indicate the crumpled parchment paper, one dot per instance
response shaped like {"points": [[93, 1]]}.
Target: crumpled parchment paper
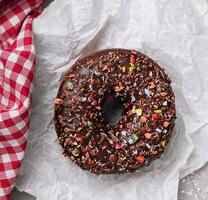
{"points": [[174, 33]]}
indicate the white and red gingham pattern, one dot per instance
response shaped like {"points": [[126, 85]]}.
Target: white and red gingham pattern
{"points": [[17, 58]]}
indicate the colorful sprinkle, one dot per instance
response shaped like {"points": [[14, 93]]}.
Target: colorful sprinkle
{"points": [[123, 133], [135, 152], [74, 143], [124, 143], [97, 73], [165, 131], [117, 146], [93, 152], [166, 124], [69, 85], [155, 116], [134, 137], [79, 138], [133, 99], [165, 103], [153, 151], [130, 141], [158, 130], [134, 121], [143, 119], [132, 67], [94, 103], [147, 92], [148, 135], [123, 69], [132, 59], [140, 159], [84, 99], [75, 152], [58, 101], [91, 115], [89, 124], [68, 141], [163, 94], [133, 109], [118, 88], [159, 89], [152, 85], [105, 68], [111, 141], [79, 129], [86, 154], [98, 107], [138, 111], [130, 112], [110, 97], [163, 143], [90, 86], [147, 145], [67, 130], [158, 111]]}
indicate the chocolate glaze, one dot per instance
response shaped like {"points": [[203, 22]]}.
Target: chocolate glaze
{"points": [[133, 84]]}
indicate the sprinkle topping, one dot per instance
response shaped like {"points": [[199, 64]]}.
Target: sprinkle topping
{"points": [[69, 85], [138, 111], [118, 88], [134, 137], [140, 159], [158, 111], [118, 146], [143, 119], [123, 69], [89, 124], [163, 94], [166, 124], [147, 92], [129, 85]]}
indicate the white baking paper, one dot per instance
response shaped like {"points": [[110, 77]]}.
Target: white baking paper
{"points": [[174, 33]]}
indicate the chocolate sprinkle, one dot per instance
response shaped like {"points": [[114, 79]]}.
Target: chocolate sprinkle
{"points": [[114, 111]]}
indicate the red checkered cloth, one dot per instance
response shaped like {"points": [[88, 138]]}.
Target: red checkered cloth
{"points": [[17, 58]]}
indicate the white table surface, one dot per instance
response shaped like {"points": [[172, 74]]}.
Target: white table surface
{"points": [[192, 187]]}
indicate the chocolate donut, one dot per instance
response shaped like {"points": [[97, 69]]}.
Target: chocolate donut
{"points": [[114, 111]]}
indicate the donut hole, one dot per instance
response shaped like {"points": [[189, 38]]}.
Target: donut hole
{"points": [[112, 108]]}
